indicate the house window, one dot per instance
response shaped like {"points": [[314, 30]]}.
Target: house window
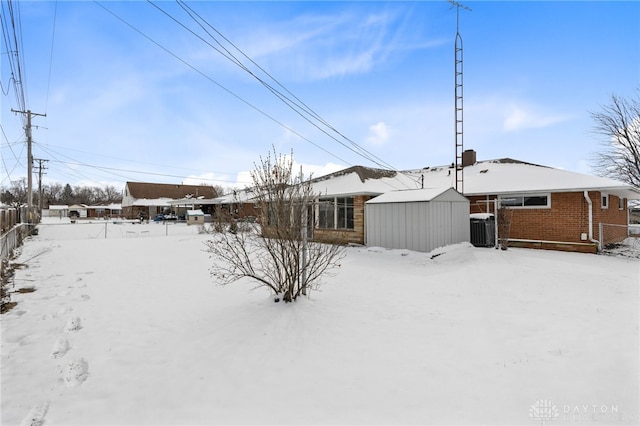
{"points": [[528, 201], [345, 212], [326, 216], [335, 213], [620, 203], [605, 201]]}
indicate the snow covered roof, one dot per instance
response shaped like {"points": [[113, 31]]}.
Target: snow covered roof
{"points": [[154, 191], [196, 212], [112, 206], [243, 196], [193, 201], [150, 202], [509, 176], [418, 195], [495, 177], [359, 180]]}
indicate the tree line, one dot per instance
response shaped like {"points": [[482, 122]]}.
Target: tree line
{"points": [[16, 193]]}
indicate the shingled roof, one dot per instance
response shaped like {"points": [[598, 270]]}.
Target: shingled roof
{"points": [[165, 190]]}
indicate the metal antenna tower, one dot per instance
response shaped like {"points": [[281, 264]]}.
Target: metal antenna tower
{"points": [[459, 128]]}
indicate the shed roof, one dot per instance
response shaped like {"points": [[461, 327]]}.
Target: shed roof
{"points": [[419, 195]]}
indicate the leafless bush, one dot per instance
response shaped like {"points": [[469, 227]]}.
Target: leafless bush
{"points": [[273, 251]]}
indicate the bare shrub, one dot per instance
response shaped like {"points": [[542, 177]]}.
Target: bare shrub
{"points": [[273, 251]]}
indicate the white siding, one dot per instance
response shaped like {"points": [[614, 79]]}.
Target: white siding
{"points": [[421, 226]]}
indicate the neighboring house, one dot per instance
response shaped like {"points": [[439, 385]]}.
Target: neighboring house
{"points": [[58, 211], [151, 199], [78, 211], [239, 204], [104, 211], [84, 211]]}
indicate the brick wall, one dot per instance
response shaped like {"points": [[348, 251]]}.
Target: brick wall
{"points": [[345, 236], [565, 221]]}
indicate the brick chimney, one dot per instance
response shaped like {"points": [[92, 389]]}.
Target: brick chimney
{"points": [[468, 157]]}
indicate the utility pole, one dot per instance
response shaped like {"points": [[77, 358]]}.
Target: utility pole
{"points": [[41, 168], [27, 131]]}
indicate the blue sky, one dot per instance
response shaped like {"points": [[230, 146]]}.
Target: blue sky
{"points": [[121, 108]]}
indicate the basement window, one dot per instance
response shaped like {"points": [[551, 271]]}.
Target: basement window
{"points": [[526, 201]]}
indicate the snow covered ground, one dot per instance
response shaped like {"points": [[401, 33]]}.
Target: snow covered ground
{"points": [[131, 330]]}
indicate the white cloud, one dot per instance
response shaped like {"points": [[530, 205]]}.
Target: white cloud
{"points": [[378, 133], [519, 117], [335, 44]]}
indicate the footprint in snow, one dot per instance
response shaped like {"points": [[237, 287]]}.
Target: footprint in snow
{"points": [[73, 324], [76, 373], [64, 311], [36, 415], [60, 348]]}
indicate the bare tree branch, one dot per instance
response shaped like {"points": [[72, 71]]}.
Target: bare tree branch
{"points": [[619, 124], [273, 251]]}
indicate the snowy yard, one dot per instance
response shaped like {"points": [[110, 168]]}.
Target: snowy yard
{"points": [[131, 330]]}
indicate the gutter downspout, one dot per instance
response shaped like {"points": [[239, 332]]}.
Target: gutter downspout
{"points": [[588, 200]]}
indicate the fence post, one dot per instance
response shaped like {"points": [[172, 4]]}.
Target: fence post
{"points": [[600, 235]]}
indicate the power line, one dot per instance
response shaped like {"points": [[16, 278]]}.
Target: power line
{"points": [[279, 94], [128, 160], [11, 29], [53, 36], [295, 104], [140, 172], [73, 162], [218, 84]]}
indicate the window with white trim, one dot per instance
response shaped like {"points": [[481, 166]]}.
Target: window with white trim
{"points": [[620, 203], [526, 201], [605, 201]]}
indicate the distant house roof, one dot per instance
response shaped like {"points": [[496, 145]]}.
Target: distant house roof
{"points": [[143, 190], [112, 206], [239, 196]]}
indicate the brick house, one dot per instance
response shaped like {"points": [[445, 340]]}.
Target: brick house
{"points": [[151, 199], [547, 207], [339, 208]]}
